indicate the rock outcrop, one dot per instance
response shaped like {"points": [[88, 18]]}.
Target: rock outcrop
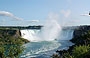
{"points": [[81, 35]]}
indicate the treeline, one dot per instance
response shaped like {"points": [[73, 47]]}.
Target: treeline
{"points": [[21, 27]]}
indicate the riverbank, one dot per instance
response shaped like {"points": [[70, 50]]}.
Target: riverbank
{"points": [[11, 43], [81, 47]]}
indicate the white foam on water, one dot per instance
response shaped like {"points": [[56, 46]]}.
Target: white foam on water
{"points": [[35, 48]]}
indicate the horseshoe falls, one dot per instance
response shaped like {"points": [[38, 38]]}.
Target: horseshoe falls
{"points": [[44, 48], [45, 41]]}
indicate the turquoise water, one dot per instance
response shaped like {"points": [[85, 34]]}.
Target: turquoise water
{"points": [[43, 49], [46, 44]]}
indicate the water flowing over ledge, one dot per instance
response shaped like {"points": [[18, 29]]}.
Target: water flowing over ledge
{"points": [[37, 48], [46, 39], [34, 35]]}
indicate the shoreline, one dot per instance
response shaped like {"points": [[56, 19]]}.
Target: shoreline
{"points": [[80, 38]]}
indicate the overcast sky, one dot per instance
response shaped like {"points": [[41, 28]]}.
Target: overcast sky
{"points": [[35, 12]]}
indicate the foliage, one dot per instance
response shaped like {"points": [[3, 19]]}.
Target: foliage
{"points": [[67, 55], [2, 50], [78, 52], [11, 44], [10, 51], [14, 51]]}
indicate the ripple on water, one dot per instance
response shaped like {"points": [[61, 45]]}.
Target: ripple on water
{"points": [[34, 49]]}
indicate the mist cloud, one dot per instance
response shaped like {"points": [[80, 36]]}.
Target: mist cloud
{"points": [[53, 16], [66, 13], [8, 14]]}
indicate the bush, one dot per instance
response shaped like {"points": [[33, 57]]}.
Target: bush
{"points": [[80, 51], [11, 43], [67, 55], [77, 52], [14, 51]]}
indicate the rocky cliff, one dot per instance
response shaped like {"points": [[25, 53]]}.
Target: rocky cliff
{"points": [[8, 36], [81, 35]]}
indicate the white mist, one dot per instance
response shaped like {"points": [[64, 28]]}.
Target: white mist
{"points": [[48, 32]]}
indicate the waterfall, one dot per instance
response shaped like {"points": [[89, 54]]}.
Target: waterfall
{"points": [[29, 34], [48, 38], [51, 31], [47, 47], [66, 34], [34, 34]]}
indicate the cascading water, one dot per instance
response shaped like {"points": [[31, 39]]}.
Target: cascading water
{"points": [[39, 49], [48, 39], [30, 34], [66, 34], [48, 33]]}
